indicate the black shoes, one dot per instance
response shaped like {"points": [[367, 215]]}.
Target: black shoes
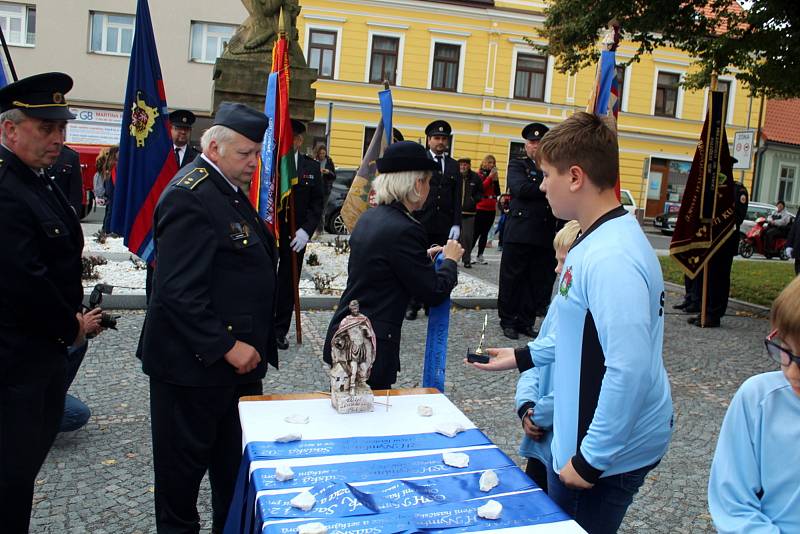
{"points": [[711, 322], [411, 314], [511, 333], [281, 342], [692, 308], [467, 265], [528, 331]]}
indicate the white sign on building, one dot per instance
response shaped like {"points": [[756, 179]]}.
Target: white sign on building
{"points": [[743, 149], [94, 126]]}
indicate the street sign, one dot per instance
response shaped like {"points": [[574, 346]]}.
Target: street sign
{"points": [[743, 149]]}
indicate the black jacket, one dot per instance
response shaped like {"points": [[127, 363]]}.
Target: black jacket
{"points": [[66, 173], [530, 219], [472, 194], [40, 273], [442, 209], [214, 282], [389, 265], [794, 237], [308, 195], [189, 156]]}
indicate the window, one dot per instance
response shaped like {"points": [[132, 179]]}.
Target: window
{"points": [[724, 86], [111, 34], [322, 52], [383, 63], [368, 133], [445, 67], [530, 78], [209, 40], [786, 183], [18, 22], [667, 94]]}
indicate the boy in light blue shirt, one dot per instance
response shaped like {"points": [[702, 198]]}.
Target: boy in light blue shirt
{"points": [[753, 485]]}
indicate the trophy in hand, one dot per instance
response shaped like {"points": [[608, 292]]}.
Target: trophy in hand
{"points": [[477, 355]]}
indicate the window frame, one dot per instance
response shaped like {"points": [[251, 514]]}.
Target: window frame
{"points": [[548, 82], [461, 63], [398, 57], [678, 94], [104, 32], [545, 72], [731, 81], [337, 47], [25, 22], [204, 37], [791, 182]]}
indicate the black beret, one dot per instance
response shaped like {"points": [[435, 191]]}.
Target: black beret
{"points": [[40, 96], [405, 156], [242, 119], [397, 135], [182, 118], [438, 128], [298, 128], [534, 131]]}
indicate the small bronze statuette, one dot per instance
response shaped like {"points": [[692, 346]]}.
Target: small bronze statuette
{"points": [[353, 350], [477, 355]]}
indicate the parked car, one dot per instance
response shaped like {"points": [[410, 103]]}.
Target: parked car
{"points": [[665, 221], [628, 203], [331, 215]]}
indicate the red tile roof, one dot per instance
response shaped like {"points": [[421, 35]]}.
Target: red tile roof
{"points": [[780, 121]]}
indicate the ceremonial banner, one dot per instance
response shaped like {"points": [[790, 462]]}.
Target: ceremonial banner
{"points": [[436, 343], [3, 76], [605, 94], [146, 160], [706, 217], [359, 196]]}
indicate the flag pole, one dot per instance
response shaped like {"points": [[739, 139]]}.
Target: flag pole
{"points": [[293, 229], [8, 55], [704, 290]]}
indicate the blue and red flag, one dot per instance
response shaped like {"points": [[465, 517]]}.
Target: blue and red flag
{"points": [[146, 161]]}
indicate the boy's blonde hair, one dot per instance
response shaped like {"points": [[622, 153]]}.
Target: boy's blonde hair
{"points": [[587, 141], [567, 235], [785, 315]]}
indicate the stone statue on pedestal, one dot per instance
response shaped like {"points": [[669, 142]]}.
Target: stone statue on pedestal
{"points": [[353, 348]]}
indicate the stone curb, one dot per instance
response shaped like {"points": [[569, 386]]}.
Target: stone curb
{"points": [[736, 304]]}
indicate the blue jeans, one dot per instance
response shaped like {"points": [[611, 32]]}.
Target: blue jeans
{"points": [[598, 510], [76, 413]]}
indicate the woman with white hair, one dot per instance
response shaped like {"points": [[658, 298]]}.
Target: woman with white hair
{"points": [[390, 259]]}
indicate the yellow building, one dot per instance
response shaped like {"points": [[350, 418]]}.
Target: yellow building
{"points": [[467, 62]]}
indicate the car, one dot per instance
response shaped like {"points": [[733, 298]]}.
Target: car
{"points": [[331, 215], [666, 220], [628, 203]]}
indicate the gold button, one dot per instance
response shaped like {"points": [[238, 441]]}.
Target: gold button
{"points": [[244, 242], [58, 231], [230, 328], [190, 179]]}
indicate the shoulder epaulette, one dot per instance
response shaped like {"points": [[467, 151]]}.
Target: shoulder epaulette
{"points": [[192, 178]]}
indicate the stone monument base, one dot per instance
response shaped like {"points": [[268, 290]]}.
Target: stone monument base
{"points": [[344, 402]]}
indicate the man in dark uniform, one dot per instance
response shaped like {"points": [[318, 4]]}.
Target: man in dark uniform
{"points": [[528, 260], [66, 173], [441, 214], [719, 266], [793, 244], [40, 284], [181, 121], [307, 195], [208, 334]]}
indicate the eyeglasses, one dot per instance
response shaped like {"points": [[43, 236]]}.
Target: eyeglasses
{"points": [[778, 351]]}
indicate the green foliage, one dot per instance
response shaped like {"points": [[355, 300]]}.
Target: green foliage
{"points": [[760, 46]]}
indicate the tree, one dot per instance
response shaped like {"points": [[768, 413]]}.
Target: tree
{"points": [[759, 45]]}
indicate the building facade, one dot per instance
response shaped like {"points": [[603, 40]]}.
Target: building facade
{"points": [[464, 61], [778, 167]]}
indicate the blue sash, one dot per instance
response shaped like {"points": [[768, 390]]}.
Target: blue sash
{"points": [[524, 509], [436, 343]]}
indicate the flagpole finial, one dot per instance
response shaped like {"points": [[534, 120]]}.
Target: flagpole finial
{"points": [[281, 24]]}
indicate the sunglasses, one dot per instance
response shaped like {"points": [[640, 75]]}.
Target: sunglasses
{"points": [[778, 351]]}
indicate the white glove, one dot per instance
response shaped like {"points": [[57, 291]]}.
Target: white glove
{"points": [[455, 232], [789, 251], [300, 240]]}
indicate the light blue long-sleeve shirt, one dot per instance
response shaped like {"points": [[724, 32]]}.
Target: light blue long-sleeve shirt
{"points": [[754, 485]]}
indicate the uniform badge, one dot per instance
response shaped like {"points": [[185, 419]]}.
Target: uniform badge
{"points": [[143, 117], [566, 282]]}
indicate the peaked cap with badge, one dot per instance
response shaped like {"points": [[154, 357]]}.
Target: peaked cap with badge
{"points": [[182, 118], [439, 127], [534, 131], [40, 96]]}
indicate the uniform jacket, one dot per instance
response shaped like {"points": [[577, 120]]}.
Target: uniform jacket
{"points": [[794, 237], [66, 173], [308, 195], [530, 219], [442, 208], [472, 193], [214, 282], [40, 273], [188, 156], [389, 265]]}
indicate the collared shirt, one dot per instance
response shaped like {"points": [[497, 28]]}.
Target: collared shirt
{"points": [[439, 158], [235, 187], [180, 152]]}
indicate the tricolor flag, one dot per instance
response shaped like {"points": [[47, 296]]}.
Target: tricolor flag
{"points": [[146, 161], [277, 173], [360, 193]]}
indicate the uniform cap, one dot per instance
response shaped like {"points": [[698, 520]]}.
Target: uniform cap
{"points": [[438, 128], [534, 131], [40, 96], [405, 156], [182, 118], [242, 119]]}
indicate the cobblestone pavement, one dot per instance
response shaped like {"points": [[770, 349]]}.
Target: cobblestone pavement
{"points": [[99, 478]]}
